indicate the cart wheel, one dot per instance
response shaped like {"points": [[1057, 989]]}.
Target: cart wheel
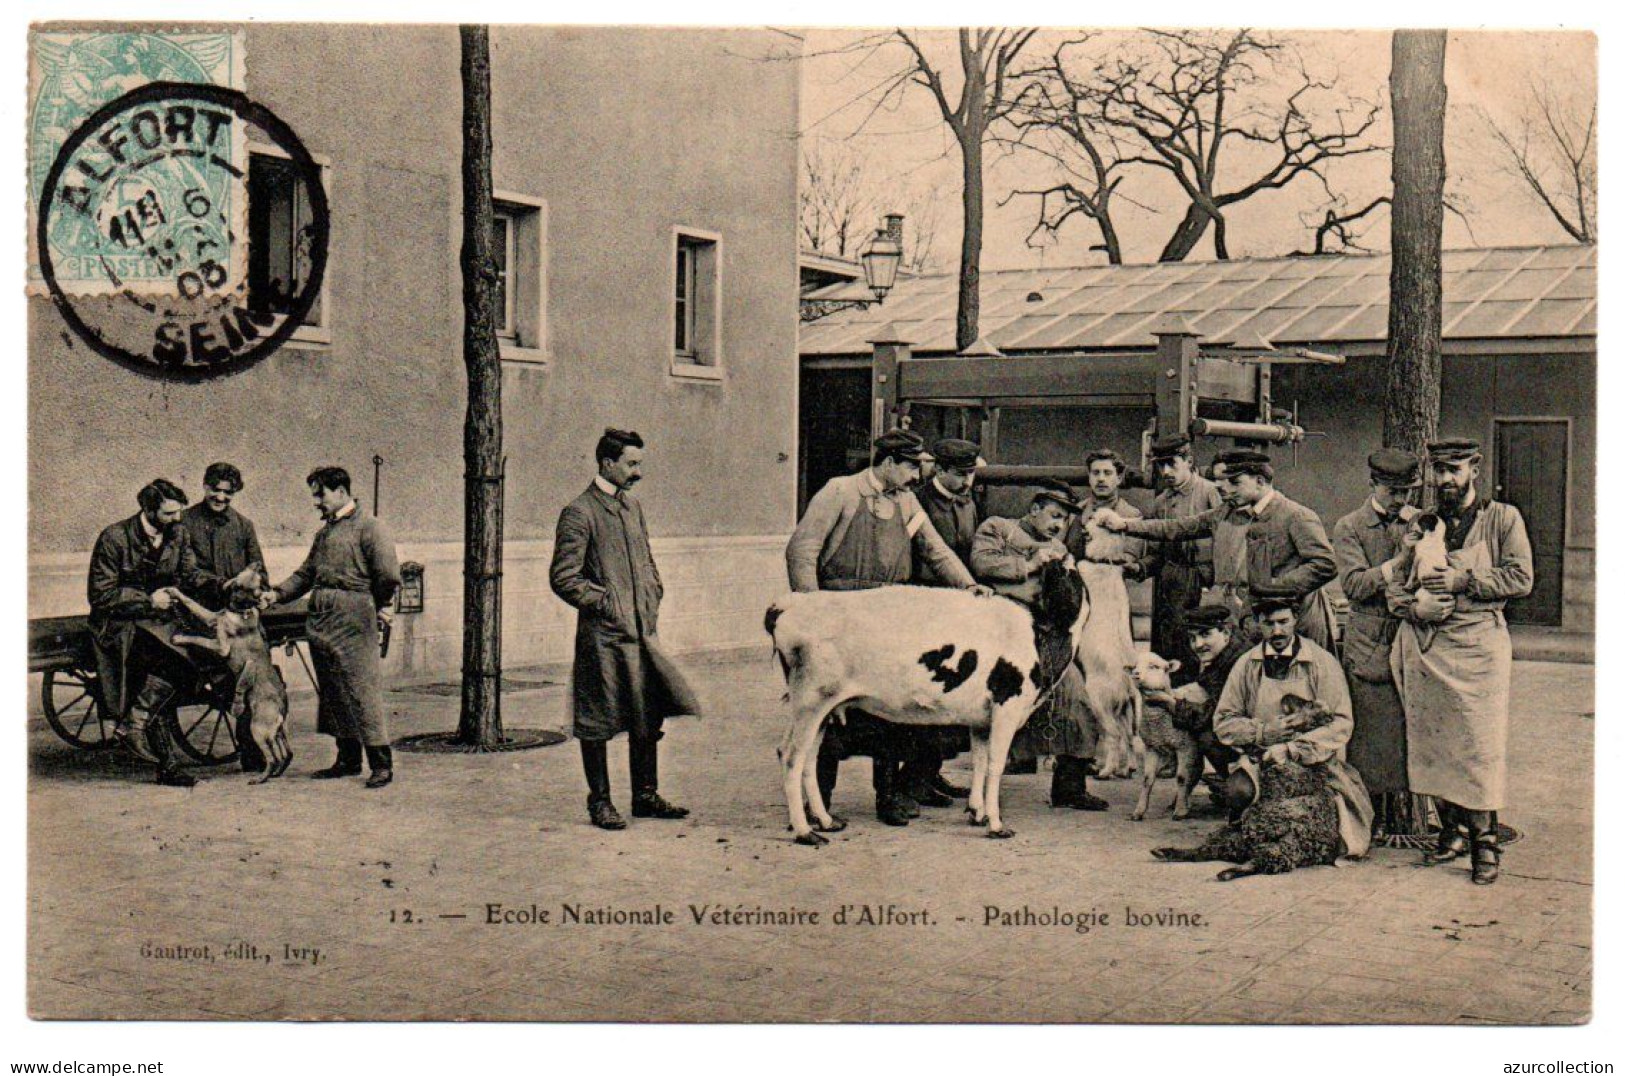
{"points": [[73, 708], [204, 732]]}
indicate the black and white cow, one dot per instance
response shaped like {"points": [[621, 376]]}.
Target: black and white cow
{"points": [[920, 656]]}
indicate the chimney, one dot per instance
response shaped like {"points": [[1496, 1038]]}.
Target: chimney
{"points": [[894, 228]]}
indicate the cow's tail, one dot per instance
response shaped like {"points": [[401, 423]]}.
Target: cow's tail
{"points": [[769, 623]]}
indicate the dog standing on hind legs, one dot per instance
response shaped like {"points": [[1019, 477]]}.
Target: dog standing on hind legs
{"points": [[260, 699]]}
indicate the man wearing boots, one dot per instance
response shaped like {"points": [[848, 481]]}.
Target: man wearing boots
{"points": [[946, 498], [133, 566], [1366, 541], [1009, 555], [1452, 658], [862, 531], [351, 576], [621, 680]]}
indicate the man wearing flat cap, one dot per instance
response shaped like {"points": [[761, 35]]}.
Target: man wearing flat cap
{"points": [[862, 531], [1215, 643], [1264, 545], [1010, 555], [1181, 569], [946, 498], [1367, 544], [1452, 658], [1256, 714]]}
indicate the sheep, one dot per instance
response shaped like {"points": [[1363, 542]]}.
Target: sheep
{"points": [[1157, 740], [920, 656], [1288, 819]]}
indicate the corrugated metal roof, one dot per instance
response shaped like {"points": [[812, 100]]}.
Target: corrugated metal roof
{"points": [[1490, 293]]}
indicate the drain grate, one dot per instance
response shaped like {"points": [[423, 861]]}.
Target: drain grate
{"points": [[452, 688], [447, 743], [1425, 841]]}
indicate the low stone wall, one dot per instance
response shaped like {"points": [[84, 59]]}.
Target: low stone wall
{"points": [[716, 592]]}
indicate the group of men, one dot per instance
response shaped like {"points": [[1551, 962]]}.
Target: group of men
{"points": [[1418, 700], [206, 551]]}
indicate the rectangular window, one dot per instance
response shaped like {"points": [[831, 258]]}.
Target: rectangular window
{"points": [[502, 248], [280, 232], [696, 304], [519, 247]]}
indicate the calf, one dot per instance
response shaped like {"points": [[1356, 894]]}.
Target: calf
{"points": [[1105, 654], [1157, 739], [920, 656]]}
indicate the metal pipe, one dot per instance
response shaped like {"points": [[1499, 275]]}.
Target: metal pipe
{"points": [[1275, 433]]}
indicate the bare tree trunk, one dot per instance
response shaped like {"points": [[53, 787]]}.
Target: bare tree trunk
{"points": [[1109, 242], [480, 723], [1410, 416], [970, 245], [1187, 235]]}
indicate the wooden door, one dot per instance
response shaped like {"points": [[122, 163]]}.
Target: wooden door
{"points": [[1531, 472]]}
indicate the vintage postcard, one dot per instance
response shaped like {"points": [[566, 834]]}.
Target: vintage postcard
{"points": [[768, 525]]}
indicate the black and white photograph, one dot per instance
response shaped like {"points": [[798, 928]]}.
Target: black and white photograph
{"points": [[729, 524]]}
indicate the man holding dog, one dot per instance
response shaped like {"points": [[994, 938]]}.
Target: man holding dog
{"points": [[861, 531], [133, 566], [351, 575], [1262, 713], [622, 680], [1367, 544], [1452, 659]]}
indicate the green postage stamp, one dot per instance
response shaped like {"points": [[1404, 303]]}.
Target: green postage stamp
{"points": [[152, 199]]}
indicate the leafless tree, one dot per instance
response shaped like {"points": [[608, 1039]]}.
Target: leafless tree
{"points": [[1202, 106], [1552, 149], [986, 94], [1055, 117], [843, 195]]}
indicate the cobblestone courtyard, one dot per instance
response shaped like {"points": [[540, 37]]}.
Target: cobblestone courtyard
{"points": [[305, 899]]}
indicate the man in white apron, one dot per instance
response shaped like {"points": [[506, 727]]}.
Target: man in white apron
{"points": [[1452, 658], [1252, 713]]}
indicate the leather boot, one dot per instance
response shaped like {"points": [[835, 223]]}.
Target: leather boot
{"points": [[348, 763], [1454, 840], [1486, 839], [1069, 785], [646, 799], [887, 807], [595, 762], [919, 777], [829, 768], [381, 761], [169, 771]]}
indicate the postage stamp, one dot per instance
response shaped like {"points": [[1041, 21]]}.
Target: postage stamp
{"points": [[143, 215], [147, 184]]}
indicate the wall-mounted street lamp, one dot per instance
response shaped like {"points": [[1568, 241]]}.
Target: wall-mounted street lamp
{"points": [[880, 260]]}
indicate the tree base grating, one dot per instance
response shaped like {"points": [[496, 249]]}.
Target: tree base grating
{"points": [[447, 743], [1422, 842]]}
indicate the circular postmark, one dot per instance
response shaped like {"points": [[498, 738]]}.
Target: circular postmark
{"points": [[152, 192]]}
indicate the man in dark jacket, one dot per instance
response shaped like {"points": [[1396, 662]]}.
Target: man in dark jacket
{"points": [[948, 504], [222, 537], [1211, 636], [1181, 569], [133, 567], [351, 575], [1264, 545], [622, 681]]}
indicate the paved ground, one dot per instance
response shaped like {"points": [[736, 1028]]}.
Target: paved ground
{"points": [[305, 899]]}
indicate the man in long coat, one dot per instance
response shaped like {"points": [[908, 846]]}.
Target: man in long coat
{"points": [[621, 681], [862, 531], [222, 537], [1181, 570], [1264, 545], [133, 566], [1366, 541], [1452, 660], [351, 575], [951, 508]]}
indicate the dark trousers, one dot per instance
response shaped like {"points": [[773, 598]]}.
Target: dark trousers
{"points": [[644, 761]]}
